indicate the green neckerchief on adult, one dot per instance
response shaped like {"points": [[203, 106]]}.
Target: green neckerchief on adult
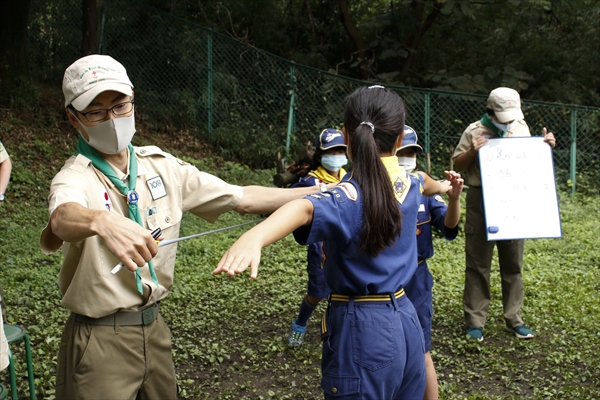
{"points": [[487, 122], [134, 213]]}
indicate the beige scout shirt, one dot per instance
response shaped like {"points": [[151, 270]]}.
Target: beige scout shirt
{"points": [[517, 128], [3, 153], [85, 280]]}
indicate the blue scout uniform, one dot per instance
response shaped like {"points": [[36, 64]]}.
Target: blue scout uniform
{"points": [[432, 212], [373, 347], [317, 285]]}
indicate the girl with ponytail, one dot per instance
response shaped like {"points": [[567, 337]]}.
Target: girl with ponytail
{"points": [[373, 344]]}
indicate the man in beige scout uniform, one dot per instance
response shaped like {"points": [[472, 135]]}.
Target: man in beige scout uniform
{"points": [[103, 205], [503, 118]]}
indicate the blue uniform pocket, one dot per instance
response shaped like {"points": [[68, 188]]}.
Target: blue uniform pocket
{"points": [[373, 344], [341, 387]]}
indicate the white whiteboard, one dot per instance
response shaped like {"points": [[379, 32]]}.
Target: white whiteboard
{"points": [[519, 189]]}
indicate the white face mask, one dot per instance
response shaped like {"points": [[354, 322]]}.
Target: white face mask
{"points": [[502, 127], [409, 163], [333, 162], [111, 136]]}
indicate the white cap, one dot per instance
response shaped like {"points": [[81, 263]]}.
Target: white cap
{"points": [[506, 104], [89, 76]]}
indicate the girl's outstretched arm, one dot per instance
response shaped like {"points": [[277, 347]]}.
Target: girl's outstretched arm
{"points": [[246, 250]]}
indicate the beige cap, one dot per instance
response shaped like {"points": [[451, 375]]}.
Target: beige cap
{"points": [[506, 104], [89, 76]]}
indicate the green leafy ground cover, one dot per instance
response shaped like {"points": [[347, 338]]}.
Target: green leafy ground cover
{"points": [[228, 333]]}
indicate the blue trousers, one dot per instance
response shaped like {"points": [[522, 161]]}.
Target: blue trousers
{"points": [[419, 291], [373, 351]]}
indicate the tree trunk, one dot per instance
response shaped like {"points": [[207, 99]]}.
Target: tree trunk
{"points": [[415, 41], [355, 36], [14, 16], [310, 18], [89, 27]]}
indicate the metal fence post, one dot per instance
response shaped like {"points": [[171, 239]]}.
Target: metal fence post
{"points": [[210, 87], [102, 44], [291, 111], [428, 130], [573, 149]]}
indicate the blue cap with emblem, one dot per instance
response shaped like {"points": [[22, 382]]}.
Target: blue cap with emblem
{"points": [[330, 138], [410, 139]]}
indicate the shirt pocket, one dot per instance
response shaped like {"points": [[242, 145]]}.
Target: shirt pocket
{"points": [[164, 218], [342, 387]]}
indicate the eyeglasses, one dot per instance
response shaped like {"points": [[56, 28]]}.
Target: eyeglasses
{"points": [[100, 114]]}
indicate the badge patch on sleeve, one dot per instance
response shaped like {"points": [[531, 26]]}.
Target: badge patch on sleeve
{"points": [[157, 187], [439, 199], [106, 199], [349, 190]]}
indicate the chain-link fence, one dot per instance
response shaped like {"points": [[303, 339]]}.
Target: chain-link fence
{"points": [[252, 104]]}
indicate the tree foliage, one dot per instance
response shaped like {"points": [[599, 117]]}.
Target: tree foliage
{"points": [[547, 49], [13, 48]]}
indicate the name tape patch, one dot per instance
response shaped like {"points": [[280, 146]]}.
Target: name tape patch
{"points": [[157, 187]]}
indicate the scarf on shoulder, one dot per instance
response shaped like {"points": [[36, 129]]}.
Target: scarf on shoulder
{"points": [[398, 176], [324, 176], [487, 122]]}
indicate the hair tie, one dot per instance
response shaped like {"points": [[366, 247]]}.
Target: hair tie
{"points": [[368, 123]]}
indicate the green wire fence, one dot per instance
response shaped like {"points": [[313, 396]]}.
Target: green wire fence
{"points": [[253, 105]]}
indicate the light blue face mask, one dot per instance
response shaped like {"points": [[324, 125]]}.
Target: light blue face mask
{"points": [[333, 163], [502, 127]]}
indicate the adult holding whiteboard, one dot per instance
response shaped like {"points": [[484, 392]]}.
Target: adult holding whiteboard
{"points": [[503, 118]]}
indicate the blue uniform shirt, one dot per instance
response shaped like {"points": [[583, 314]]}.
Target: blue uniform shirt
{"points": [[314, 254], [338, 220], [432, 211]]}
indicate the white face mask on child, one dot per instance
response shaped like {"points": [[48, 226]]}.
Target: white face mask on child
{"points": [[409, 163], [333, 162]]}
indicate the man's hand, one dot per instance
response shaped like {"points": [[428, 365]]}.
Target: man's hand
{"points": [[479, 141], [549, 137]]}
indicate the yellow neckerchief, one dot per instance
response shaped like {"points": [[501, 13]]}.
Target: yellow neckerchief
{"points": [[322, 174], [398, 176]]}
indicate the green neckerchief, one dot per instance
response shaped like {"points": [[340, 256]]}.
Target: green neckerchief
{"points": [[134, 213], [487, 122]]}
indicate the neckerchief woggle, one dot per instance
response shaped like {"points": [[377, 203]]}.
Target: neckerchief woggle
{"points": [[324, 176], [128, 191], [487, 122]]}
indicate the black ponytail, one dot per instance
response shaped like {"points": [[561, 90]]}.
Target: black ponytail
{"points": [[384, 109]]}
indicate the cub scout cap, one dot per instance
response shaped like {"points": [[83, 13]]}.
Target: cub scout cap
{"points": [[506, 104], [330, 138], [410, 139], [89, 76]]}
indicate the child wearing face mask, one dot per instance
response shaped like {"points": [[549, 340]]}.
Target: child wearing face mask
{"points": [[327, 167], [432, 211]]}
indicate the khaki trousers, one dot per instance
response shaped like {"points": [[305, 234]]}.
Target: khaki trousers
{"points": [[115, 362], [476, 297]]}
